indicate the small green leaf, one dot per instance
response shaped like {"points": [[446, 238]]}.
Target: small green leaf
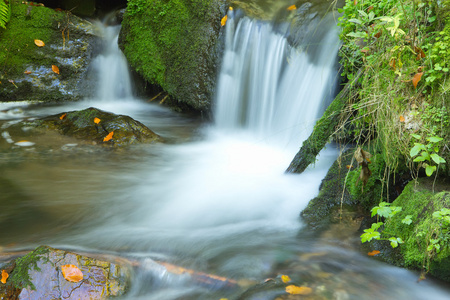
{"points": [[429, 170], [407, 220], [419, 159], [355, 21], [436, 158], [416, 136], [358, 34], [434, 139]]}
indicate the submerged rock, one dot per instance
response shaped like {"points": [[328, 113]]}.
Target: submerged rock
{"points": [[38, 275], [97, 126], [53, 69]]}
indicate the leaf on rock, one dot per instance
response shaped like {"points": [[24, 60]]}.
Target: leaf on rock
{"points": [[109, 136], [39, 43], [417, 78], [292, 7], [285, 278], [72, 273], [27, 72], [298, 290], [373, 253], [62, 116], [96, 120], [55, 69], [5, 276], [224, 20], [402, 119]]}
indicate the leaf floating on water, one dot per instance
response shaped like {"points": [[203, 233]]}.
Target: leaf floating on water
{"points": [[27, 72], [24, 143], [224, 20], [373, 253], [55, 69], [96, 120], [292, 7], [285, 278], [109, 136], [417, 78], [39, 43], [5, 276], [402, 119], [72, 273], [298, 290], [62, 116]]}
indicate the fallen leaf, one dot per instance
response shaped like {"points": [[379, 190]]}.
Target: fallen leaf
{"points": [[298, 290], [24, 143], [39, 43], [355, 2], [12, 81], [72, 273], [373, 253], [27, 72], [361, 155], [420, 53], [402, 119], [230, 8], [392, 63], [109, 136], [55, 69], [96, 120], [62, 116], [285, 278], [224, 20], [349, 166], [5, 276], [417, 78], [369, 8], [292, 7]]}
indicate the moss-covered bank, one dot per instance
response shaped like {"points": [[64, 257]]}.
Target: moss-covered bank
{"points": [[173, 44]]}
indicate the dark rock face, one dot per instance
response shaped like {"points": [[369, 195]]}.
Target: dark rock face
{"points": [[95, 125], [27, 72], [174, 44], [38, 275]]}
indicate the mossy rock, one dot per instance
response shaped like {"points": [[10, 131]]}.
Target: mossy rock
{"points": [[38, 275], [174, 44], [26, 69], [95, 126], [418, 201]]}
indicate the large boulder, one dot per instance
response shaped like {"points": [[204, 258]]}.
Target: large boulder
{"points": [[27, 69], [174, 44], [38, 275]]}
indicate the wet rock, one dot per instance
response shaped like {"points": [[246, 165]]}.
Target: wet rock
{"points": [[93, 125], [70, 43], [38, 275]]}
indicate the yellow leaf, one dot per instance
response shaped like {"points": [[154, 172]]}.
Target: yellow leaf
{"points": [[224, 20], [298, 290], [62, 116], [373, 253], [96, 120], [39, 43], [285, 278], [417, 78], [55, 69], [5, 276], [109, 136], [402, 119], [27, 72], [292, 7], [230, 8], [72, 273]]}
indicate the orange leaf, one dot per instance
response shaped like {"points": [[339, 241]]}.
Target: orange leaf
{"points": [[349, 166], [355, 2], [72, 273], [55, 69], [5, 276], [224, 20], [62, 116], [420, 53], [416, 79], [109, 136], [373, 253], [292, 7], [285, 278], [402, 119], [298, 290], [39, 43], [96, 120], [27, 72]]}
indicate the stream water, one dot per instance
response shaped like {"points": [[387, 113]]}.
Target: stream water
{"points": [[214, 199]]}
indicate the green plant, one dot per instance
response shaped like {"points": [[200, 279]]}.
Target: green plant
{"points": [[384, 210], [5, 13], [427, 153]]}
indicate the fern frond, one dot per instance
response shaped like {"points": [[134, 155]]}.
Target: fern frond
{"points": [[5, 13]]}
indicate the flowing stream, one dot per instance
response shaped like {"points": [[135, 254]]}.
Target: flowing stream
{"points": [[215, 199]]}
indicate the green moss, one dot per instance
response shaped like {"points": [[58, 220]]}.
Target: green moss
{"points": [[420, 204], [17, 48], [20, 278]]}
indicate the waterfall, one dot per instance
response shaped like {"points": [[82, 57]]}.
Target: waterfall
{"points": [[271, 88], [111, 66]]}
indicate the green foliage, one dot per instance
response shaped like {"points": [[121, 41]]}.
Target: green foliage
{"points": [[20, 277], [5, 13], [427, 154]]}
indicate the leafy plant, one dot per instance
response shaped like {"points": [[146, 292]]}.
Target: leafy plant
{"points": [[5, 13], [426, 154]]}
